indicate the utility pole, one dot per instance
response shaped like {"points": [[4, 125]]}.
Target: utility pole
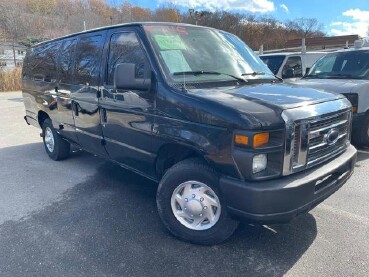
{"points": [[14, 58]]}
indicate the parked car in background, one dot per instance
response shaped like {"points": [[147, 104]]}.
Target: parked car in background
{"points": [[346, 72], [194, 109], [291, 66]]}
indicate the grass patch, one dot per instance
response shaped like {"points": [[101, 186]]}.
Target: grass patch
{"points": [[11, 80]]}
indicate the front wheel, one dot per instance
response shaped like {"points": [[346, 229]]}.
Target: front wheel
{"points": [[190, 204], [56, 147]]}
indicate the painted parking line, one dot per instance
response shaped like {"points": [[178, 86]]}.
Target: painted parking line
{"points": [[363, 151]]}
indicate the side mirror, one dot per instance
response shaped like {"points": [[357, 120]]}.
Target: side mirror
{"points": [[290, 73], [125, 78]]}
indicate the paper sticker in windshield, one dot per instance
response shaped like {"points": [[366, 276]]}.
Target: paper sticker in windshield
{"points": [[175, 61], [169, 42], [167, 29]]}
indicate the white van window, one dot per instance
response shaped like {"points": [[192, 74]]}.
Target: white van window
{"points": [[292, 68], [273, 62], [342, 65]]}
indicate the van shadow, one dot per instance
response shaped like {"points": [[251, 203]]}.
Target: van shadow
{"points": [[109, 226]]}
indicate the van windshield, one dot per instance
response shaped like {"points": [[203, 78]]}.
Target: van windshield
{"points": [[199, 55], [342, 65], [273, 62]]}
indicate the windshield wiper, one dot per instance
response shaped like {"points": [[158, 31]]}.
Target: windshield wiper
{"points": [[338, 75], [311, 76], [200, 72], [253, 73]]}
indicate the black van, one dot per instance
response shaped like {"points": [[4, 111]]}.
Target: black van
{"points": [[194, 109]]}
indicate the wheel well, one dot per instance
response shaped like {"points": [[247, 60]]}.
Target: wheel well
{"points": [[171, 154], [41, 117]]}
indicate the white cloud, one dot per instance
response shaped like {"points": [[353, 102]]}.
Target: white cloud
{"points": [[285, 8], [357, 14], [358, 24], [254, 6]]}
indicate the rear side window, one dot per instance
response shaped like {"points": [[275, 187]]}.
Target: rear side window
{"points": [[125, 48], [42, 62], [88, 57], [293, 65], [66, 61]]}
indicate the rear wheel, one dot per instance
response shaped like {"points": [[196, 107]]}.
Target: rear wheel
{"points": [[56, 147], [190, 204]]}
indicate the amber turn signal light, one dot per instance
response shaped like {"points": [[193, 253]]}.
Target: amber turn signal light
{"points": [[241, 140], [354, 109], [260, 139]]}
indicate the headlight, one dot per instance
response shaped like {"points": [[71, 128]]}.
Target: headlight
{"points": [[255, 140], [259, 163], [259, 154]]}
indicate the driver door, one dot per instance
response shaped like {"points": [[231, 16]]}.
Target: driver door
{"points": [[127, 115]]}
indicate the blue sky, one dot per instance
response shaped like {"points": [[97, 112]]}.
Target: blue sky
{"points": [[339, 17]]}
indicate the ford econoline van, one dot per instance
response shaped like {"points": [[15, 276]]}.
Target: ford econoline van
{"points": [[195, 110]]}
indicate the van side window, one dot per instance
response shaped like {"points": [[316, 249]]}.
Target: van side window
{"points": [[66, 61], [88, 60], [43, 62], [125, 48], [294, 66]]}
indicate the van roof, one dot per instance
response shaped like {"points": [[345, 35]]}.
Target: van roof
{"points": [[293, 53], [352, 49], [120, 25]]}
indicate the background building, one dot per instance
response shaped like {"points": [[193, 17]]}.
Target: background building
{"points": [[322, 43], [11, 55]]}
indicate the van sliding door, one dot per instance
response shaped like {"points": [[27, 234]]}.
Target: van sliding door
{"points": [[63, 89], [85, 101]]}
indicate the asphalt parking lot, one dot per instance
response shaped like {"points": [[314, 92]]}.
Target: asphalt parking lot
{"points": [[88, 217]]}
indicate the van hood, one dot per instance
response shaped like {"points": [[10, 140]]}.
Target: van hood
{"points": [[281, 96], [332, 85], [262, 104]]}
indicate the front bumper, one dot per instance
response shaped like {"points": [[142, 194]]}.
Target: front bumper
{"points": [[280, 200]]}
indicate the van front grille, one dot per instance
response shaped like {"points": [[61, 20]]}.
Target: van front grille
{"points": [[320, 148], [316, 140]]}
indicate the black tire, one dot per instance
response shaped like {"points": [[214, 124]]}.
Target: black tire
{"points": [[361, 137], [61, 147], [193, 170]]}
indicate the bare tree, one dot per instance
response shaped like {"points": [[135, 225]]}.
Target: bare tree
{"points": [[36, 20], [306, 27], [12, 22]]}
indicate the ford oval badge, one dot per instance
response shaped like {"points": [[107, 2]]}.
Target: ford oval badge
{"points": [[332, 136]]}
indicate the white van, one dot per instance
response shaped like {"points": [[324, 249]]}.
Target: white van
{"points": [[346, 72], [291, 65]]}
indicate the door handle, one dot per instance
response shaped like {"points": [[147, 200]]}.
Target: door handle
{"points": [[104, 117]]}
